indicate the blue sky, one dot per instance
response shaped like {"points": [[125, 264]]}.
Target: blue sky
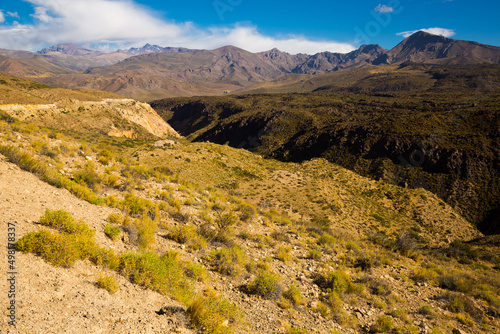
{"points": [[254, 25]]}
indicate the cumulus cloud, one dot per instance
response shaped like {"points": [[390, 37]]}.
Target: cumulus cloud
{"points": [[2, 17], [123, 24], [384, 9], [435, 31]]}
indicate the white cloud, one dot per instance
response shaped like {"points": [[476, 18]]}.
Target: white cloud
{"points": [[123, 23], [384, 9], [2, 17], [41, 15], [13, 14], [435, 31]]}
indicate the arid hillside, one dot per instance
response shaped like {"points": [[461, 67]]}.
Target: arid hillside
{"points": [[115, 234]]}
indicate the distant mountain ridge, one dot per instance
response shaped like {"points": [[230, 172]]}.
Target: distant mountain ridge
{"points": [[152, 71], [423, 47]]}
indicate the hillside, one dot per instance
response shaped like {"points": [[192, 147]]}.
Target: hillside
{"points": [[416, 126], [198, 237], [79, 110]]}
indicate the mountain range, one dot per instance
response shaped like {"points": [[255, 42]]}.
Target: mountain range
{"points": [[153, 72]]}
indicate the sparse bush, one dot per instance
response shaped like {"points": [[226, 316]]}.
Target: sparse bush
{"points": [[266, 284], [314, 254], [465, 319], [112, 232], [164, 274], [459, 303], [228, 261], [137, 206], [337, 281], [335, 302], [105, 157], [427, 311], [405, 243], [327, 240], [293, 294], [108, 283], [283, 253], [383, 324], [146, 230], [105, 258], [380, 287], [88, 176], [247, 211], [187, 234], [210, 312], [111, 180], [52, 247], [115, 218], [195, 271]]}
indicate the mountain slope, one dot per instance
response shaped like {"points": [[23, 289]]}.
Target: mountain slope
{"points": [[36, 67], [77, 110], [328, 62], [153, 72], [423, 47]]}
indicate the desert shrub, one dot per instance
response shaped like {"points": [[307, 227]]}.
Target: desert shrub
{"points": [[52, 247], [195, 271], [266, 284], [108, 283], [247, 211], [111, 180], [379, 287], [334, 302], [465, 319], [112, 231], [383, 324], [146, 230], [63, 221], [351, 245], [322, 223], [105, 258], [461, 251], [187, 234], [88, 176], [163, 274], [427, 311], [314, 254], [460, 303], [405, 243], [364, 262], [58, 219], [75, 242], [455, 281], [138, 206], [211, 313], [323, 309], [228, 261], [293, 294], [429, 274], [225, 220], [115, 218], [336, 281], [283, 253], [26, 162], [327, 240], [105, 157]]}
